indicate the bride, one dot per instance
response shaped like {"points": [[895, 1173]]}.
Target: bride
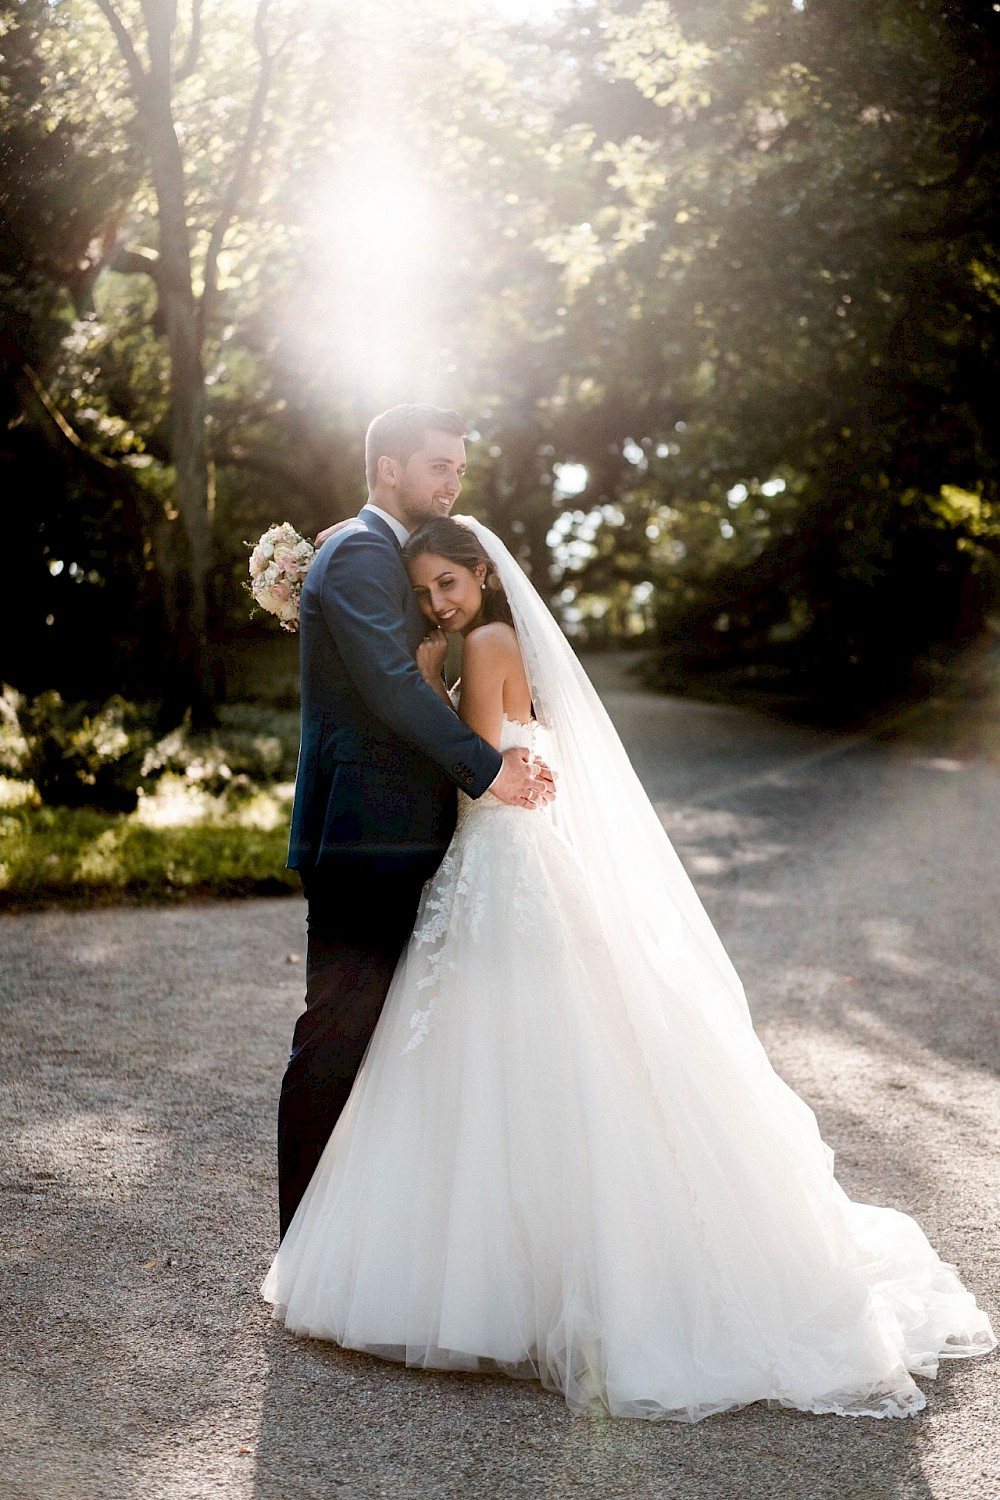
{"points": [[566, 1155]]}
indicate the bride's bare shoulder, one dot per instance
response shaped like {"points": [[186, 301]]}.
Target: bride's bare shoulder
{"points": [[494, 641], [491, 659]]}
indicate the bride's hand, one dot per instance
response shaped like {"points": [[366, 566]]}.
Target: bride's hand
{"points": [[431, 655], [332, 530]]}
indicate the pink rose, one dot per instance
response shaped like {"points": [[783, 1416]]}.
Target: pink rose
{"points": [[281, 592]]}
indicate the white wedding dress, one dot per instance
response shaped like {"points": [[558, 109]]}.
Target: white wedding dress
{"points": [[564, 1159]]}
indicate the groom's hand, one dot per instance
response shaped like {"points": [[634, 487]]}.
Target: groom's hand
{"points": [[524, 780]]}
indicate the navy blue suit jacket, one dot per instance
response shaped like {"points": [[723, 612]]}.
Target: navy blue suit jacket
{"points": [[380, 754]]}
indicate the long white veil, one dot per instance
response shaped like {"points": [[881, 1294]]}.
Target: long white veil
{"points": [[638, 883]]}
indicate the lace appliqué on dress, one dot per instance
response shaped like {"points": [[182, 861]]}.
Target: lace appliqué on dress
{"points": [[430, 932], [452, 903], [457, 897]]}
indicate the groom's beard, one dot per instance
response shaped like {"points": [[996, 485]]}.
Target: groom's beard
{"points": [[417, 507]]}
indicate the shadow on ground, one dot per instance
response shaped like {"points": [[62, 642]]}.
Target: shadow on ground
{"points": [[855, 883]]}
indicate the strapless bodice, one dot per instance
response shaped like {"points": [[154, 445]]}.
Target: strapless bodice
{"points": [[513, 733]]}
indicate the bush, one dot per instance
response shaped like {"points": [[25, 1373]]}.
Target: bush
{"points": [[252, 748], [95, 806], [79, 755], [76, 756]]}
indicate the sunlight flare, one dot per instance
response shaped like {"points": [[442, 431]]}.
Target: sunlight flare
{"points": [[376, 228]]}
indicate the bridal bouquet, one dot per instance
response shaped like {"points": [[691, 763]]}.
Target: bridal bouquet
{"points": [[278, 566]]}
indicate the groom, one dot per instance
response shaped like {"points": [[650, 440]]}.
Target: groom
{"points": [[380, 758]]}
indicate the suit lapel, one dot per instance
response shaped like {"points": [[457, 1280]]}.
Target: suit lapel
{"points": [[381, 528], [416, 625]]}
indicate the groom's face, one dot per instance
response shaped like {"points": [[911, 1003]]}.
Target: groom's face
{"points": [[430, 481]]}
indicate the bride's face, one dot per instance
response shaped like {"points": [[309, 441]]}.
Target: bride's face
{"points": [[449, 595]]}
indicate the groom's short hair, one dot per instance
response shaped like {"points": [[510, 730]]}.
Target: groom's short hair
{"points": [[400, 431]]}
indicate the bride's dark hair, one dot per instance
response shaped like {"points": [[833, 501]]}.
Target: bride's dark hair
{"points": [[450, 539]]}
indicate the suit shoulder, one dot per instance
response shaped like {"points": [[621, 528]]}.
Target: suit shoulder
{"points": [[354, 537], [355, 550]]}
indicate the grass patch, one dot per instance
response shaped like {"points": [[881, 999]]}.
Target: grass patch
{"points": [[94, 808], [81, 855]]}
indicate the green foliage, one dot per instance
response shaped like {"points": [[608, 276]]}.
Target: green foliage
{"points": [[251, 749], [95, 806], [111, 756], [56, 195], [83, 595], [739, 260], [787, 279], [74, 755]]}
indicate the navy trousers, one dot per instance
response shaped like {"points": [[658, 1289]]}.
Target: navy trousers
{"points": [[360, 916]]}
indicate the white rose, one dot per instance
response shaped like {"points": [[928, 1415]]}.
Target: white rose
{"points": [[266, 547], [258, 562]]}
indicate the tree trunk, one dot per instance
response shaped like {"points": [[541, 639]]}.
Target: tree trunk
{"points": [[191, 541], [186, 559]]}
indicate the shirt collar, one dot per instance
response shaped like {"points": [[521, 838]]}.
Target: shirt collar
{"points": [[399, 531]]}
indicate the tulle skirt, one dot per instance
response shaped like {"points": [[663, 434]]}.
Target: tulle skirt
{"points": [[553, 1163]]}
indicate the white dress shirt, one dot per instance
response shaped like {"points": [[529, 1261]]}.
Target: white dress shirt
{"points": [[398, 529]]}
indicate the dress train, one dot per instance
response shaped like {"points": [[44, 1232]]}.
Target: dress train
{"points": [[556, 1162]]}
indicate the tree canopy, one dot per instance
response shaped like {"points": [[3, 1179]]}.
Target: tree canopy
{"points": [[715, 284]]}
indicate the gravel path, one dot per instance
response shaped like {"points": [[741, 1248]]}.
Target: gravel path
{"points": [[856, 883]]}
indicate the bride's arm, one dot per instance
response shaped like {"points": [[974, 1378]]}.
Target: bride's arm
{"points": [[491, 657], [431, 655], [487, 656]]}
